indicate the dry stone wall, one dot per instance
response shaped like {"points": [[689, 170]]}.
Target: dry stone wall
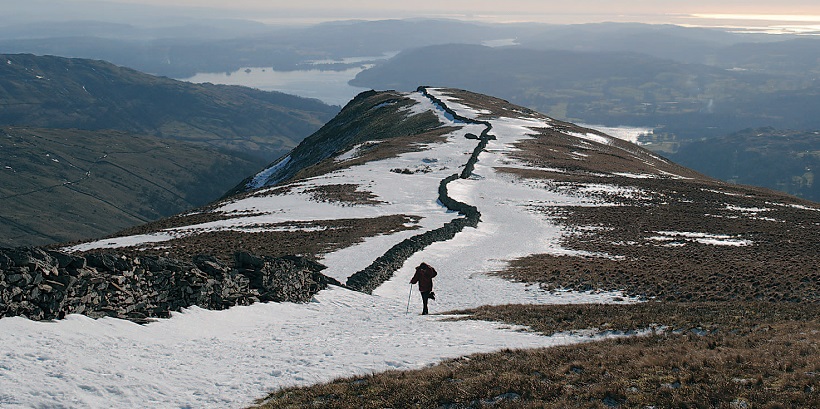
{"points": [[383, 268], [44, 285]]}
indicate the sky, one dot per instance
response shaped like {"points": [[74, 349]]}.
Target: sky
{"points": [[519, 6], [493, 10], [305, 12]]}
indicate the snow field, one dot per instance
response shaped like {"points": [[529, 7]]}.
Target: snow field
{"points": [[203, 358]]}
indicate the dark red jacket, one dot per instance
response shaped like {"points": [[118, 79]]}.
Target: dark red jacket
{"points": [[424, 276]]}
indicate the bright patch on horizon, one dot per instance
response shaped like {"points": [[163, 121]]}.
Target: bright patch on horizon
{"points": [[760, 17]]}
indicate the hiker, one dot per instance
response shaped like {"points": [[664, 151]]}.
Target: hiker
{"points": [[424, 276]]}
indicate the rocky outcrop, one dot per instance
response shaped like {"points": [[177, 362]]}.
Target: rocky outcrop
{"points": [[42, 285]]}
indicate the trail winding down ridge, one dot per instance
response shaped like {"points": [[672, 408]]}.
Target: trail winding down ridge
{"points": [[383, 268]]}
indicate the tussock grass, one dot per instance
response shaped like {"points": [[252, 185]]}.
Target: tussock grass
{"points": [[776, 263], [346, 194], [752, 355], [708, 317], [308, 239]]}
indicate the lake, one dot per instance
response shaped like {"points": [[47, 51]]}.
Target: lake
{"points": [[627, 133], [328, 86]]}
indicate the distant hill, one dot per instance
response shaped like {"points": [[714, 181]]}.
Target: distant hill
{"points": [[59, 185], [598, 87], [778, 159], [89, 148], [181, 52], [682, 102], [55, 92]]}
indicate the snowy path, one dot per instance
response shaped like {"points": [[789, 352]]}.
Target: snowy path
{"points": [[216, 359]]}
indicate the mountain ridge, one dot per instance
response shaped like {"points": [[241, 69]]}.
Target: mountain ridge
{"points": [[565, 154], [568, 215], [94, 95], [375, 127]]}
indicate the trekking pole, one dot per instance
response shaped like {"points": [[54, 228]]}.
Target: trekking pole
{"points": [[408, 300]]}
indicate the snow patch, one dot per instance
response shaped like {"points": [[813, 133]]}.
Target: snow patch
{"points": [[603, 140], [598, 189], [117, 242], [214, 359], [355, 152], [704, 238], [383, 104], [455, 104], [625, 133], [749, 210], [424, 104], [635, 175], [724, 193], [795, 206], [262, 177]]}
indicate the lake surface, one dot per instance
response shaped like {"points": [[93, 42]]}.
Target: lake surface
{"points": [[328, 86], [627, 133]]}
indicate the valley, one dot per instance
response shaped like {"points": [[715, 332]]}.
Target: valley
{"points": [[89, 148]]}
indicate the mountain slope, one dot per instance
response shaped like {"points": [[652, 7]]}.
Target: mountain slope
{"points": [[103, 147], [360, 172], [55, 92], [59, 185], [515, 210], [784, 160], [613, 88]]}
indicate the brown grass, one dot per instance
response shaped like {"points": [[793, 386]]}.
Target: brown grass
{"points": [[553, 148], [496, 106], [347, 194], [708, 317], [780, 264], [708, 276], [335, 234], [385, 149], [761, 359]]}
